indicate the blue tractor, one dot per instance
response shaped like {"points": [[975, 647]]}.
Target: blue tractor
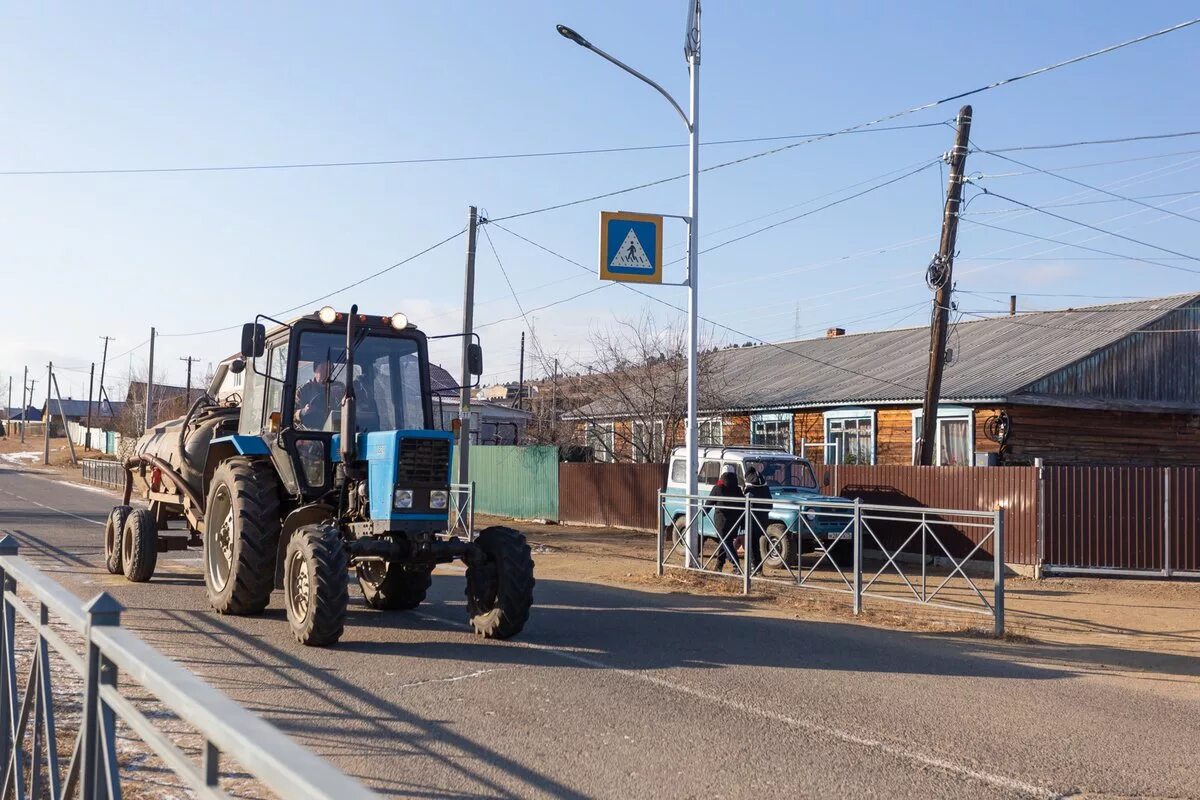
{"points": [[314, 451]]}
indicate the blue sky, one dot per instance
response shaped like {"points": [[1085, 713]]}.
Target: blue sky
{"points": [[130, 85]]}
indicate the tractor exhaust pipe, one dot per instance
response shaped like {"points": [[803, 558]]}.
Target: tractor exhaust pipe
{"points": [[349, 426]]}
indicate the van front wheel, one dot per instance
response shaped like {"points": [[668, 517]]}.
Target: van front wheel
{"points": [[777, 547]]}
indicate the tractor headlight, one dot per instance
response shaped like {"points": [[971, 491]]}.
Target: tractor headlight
{"points": [[399, 321], [402, 498], [327, 315], [439, 499]]}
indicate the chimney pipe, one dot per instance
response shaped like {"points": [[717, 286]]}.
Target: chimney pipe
{"points": [[1012, 305], [833, 333]]}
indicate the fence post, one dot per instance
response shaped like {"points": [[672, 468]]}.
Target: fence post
{"points": [[102, 611], [1167, 522], [858, 555], [746, 534], [8, 547], [998, 570], [1040, 494], [662, 532]]}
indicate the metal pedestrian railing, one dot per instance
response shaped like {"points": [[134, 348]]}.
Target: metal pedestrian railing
{"points": [[109, 661], [103, 472], [462, 516], [929, 550]]}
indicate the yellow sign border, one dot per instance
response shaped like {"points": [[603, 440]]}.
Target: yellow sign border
{"points": [[657, 221]]}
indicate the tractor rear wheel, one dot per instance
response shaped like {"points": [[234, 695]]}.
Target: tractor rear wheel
{"points": [[241, 532], [113, 527], [139, 546], [392, 587], [314, 585], [499, 583]]}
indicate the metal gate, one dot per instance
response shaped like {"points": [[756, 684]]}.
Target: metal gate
{"points": [[1139, 521]]}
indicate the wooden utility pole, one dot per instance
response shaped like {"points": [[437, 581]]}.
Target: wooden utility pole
{"points": [[464, 392], [189, 360], [8, 408], [62, 415], [149, 387], [941, 278], [47, 416], [87, 435], [25, 405], [521, 376], [103, 364]]}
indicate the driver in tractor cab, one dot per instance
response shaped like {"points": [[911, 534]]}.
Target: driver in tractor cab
{"points": [[318, 396]]}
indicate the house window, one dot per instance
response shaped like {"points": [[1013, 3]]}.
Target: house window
{"points": [[600, 439], [851, 432], [954, 445], [711, 432], [648, 442], [771, 430]]}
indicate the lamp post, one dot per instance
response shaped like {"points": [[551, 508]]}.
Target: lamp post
{"points": [[691, 52]]}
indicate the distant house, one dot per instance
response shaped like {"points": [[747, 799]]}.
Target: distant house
{"points": [[168, 401], [502, 392], [77, 410], [1114, 384], [491, 422], [13, 418]]}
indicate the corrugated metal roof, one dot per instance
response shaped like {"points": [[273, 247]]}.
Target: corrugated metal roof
{"points": [[992, 358]]}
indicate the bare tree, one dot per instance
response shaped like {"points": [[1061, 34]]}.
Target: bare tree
{"points": [[638, 388]]}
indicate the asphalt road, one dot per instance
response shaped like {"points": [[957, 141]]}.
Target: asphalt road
{"points": [[620, 693]]}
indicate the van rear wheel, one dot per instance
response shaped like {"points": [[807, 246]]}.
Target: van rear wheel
{"points": [[777, 547]]}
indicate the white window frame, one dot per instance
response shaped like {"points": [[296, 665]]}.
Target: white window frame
{"points": [[853, 413], [657, 441], [945, 413], [791, 423], [607, 434], [720, 438]]}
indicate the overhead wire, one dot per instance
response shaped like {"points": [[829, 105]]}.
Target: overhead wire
{"points": [[1086, 143], [870, 123]]}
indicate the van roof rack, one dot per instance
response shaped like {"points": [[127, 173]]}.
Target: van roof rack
{"points": [[765, 448]]}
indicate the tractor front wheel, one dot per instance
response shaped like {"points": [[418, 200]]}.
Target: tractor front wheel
{"points": [[314, 585], [241, 532], [499, 583], [392, 587]]}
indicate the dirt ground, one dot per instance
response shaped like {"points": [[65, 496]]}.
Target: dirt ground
{"points": [[1141, 624]]}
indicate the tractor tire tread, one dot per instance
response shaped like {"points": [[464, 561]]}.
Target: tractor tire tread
{"points": [[326, 621], [254, 495], [514, 594]]}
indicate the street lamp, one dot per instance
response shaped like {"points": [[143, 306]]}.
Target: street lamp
{"points": [[691, 52]]}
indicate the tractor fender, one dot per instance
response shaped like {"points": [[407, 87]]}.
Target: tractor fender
{"points": [[313, 514]]}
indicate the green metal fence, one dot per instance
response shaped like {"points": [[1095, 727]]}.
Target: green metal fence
{"points": [[520, 482]]}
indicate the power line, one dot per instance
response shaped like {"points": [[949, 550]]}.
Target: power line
{"points": [[1089, 165], [871, 123], [1062, 294], [316, 300], [810, 212], [1080, 246], [735, 331], [1089, 187], [1098, 141], [1093, 227], [439, 159], [1091, 202], [1077, 329]]}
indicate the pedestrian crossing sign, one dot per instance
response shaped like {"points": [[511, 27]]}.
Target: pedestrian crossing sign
{"points": [[631, 247]]}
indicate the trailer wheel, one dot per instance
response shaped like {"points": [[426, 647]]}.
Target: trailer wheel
{"points": [[113, 527], [139, 546], [314, 585], [499, 583], [241, 531], [391, 587]]}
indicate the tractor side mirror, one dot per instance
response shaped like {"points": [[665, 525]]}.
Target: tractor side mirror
{"points": [[254, 339], [475, 359], [237, 366]]}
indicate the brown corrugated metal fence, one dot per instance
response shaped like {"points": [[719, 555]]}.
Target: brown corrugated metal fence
{"points": [[617, 495], [1185, 519], [1104, 517], [966, 488]]}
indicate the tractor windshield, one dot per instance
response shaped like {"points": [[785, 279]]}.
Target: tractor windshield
{"points": [[387, 382]]}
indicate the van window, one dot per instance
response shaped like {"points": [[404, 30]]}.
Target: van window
{"points": [[679, 471], [710, 472]]}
